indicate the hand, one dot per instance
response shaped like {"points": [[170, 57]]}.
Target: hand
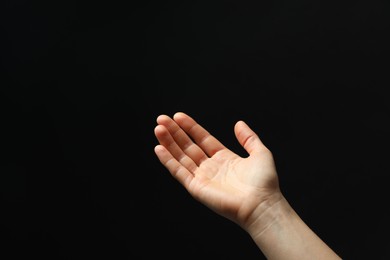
{"points": [[232, 186]]}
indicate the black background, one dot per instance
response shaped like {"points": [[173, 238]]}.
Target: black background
{"points": [[83, 82]]}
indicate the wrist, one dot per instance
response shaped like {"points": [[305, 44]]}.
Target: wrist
{"points": [[266, 214], [281, 234]]}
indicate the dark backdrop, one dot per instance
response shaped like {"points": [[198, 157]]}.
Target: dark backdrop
{"points": [[82, 83]]}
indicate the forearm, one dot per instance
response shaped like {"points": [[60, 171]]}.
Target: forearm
{"points": [[281, 234]]}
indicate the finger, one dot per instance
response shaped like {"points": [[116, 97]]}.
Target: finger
{"points": [[209, 144], [183, 141], [177, 170], [248, 138], [166, 140]]}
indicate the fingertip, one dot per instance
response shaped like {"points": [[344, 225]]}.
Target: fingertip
{"points": [[179, 114], [159, 149], [159, 129], [241, 123], [161, 118]]}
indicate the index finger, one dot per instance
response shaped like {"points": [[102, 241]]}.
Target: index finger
{"points": [[209, 144]]}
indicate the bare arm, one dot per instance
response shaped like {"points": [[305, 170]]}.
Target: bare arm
{"points": [[281, 234]]}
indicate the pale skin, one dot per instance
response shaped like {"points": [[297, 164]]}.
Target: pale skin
{"points": [[245, 190]]}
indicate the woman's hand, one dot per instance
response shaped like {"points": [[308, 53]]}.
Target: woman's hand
{"points": [[230, 185]]}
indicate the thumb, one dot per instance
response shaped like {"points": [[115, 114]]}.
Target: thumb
{"points": [[248, 138]]}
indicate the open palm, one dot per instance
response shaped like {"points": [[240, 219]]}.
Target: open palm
{"points": [[227, 183]]}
